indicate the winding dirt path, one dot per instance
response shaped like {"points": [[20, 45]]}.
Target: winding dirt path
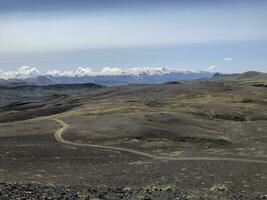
{"points": [[59, 133]]}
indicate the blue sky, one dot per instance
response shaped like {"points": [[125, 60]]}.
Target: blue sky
{"points": [[64, 35]]}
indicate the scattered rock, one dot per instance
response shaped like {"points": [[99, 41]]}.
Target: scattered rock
{"points": [[57, 192]]}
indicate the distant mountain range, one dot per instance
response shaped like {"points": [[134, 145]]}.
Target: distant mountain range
{"points": [[38, 80], [115, 76], [147, 76]]}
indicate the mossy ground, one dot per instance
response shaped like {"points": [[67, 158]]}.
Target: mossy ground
{"points": [[209, 118]]}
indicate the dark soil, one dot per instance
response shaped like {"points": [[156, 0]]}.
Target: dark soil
{"points": [[36, 191], [216, 118]]}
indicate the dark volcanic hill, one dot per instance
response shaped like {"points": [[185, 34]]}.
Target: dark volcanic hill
{"points": [[249, 78], [3, 82]]}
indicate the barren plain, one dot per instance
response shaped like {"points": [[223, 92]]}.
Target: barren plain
{"points": [[202, 139]]}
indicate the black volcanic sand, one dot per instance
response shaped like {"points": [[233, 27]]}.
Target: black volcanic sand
{"points": [[216, 118], [36, 191]]}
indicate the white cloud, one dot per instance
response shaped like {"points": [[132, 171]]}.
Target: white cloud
{"points": [[115, 71], [83, 72], [154, 70], [22, 72], [147, 70], [80, 72], [54, 73], [228, 59], [112, 70], [212, 67], [25, 71]]}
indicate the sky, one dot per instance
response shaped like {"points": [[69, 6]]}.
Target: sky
{"points": [[224, 36]]}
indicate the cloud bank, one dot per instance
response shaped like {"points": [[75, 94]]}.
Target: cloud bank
{"points": [[26, 71], [80, 72], [22, 72]]}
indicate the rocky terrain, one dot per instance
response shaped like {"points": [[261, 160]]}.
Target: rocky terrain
{"points": [[36, 191], [200, 139]]}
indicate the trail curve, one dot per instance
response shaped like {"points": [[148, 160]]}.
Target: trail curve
{"points": [[59, 133]]}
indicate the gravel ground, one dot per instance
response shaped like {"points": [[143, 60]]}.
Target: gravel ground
{"points": [[37, 191]]}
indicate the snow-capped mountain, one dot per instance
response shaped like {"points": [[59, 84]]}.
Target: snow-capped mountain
{"points": [[132, 76], [108, 76]]}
